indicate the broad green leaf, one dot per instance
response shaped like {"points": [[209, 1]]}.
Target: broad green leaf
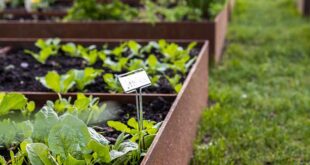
{"points": [[71, 49], [69, 136], [136, 64], [45, 119], [118, 126], [148, 140], [2, 160], [97, 137], [12, 101], [72, 161], [31, 106], [178, 88], [112, 83], [85, 77], [58, 83], [124, 148], [134, 47], [7, 137], [51, 81], [152, 61], [132, 122], [38, 154], [102, 151]]}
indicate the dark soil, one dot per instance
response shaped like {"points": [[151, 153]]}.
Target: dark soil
{"points": [[18, 72]]}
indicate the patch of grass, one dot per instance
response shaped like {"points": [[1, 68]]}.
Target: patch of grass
{"points": [[261, 90]]}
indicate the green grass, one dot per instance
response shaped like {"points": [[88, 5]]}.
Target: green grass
{"points": [[260, 94]]}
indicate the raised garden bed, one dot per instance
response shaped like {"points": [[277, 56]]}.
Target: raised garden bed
{"points": [[304, 7], [212, 30], [170, 139]]}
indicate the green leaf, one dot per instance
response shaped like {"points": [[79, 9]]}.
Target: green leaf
{"points": [[102, 151], [7, 137], [112, 83], [45, 119], [2, 160], [118, 126], [71, 49], [72, 161], [124, 148], [134, 47], [85, 77], [136, 64], [38, 154], [178, 88], [31, 106], [69, 136], [97, 137], [132, 122], [11, 101], [58, 83]]}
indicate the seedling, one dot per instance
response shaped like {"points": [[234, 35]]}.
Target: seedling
{"points": [[48, 48]]}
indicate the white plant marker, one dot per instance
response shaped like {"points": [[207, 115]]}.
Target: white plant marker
{"points": [[135, 81]]}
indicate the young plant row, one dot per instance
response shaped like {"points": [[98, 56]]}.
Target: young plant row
{"points": [[60, 133], [162, 60], [147, 10]]}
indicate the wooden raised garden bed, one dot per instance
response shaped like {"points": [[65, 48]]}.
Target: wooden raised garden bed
{"points": [[174, 140], [304, 7], [214, 31]]}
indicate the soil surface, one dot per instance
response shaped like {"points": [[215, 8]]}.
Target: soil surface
{"points": [[18, 72]]}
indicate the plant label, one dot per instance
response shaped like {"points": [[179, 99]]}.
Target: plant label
{"points": [[133, 80]]}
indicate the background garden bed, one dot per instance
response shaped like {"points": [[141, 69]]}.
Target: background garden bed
{"points": [[213, 31]]}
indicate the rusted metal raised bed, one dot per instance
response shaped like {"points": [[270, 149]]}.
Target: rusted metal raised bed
{"points": [[173, 143], [214, 31], [304, 7]]}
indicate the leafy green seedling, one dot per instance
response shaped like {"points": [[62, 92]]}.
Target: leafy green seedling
{"points": [[112, 83], [148, 132], [175, 82], [15, 101], [58, 83], [134, 48], [174, 52], [47, 48], [84, 77], [135, 64], [70, 49], [154, 65], [116, 66]]}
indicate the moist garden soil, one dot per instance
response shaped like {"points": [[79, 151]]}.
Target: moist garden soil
{"points": [[18, 72]]}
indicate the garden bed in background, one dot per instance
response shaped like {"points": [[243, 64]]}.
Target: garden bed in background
{"points": [[212, 30], [304, 7], [185, 108]]}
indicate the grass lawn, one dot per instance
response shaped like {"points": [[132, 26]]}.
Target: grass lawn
{"points": [[260, 94]]}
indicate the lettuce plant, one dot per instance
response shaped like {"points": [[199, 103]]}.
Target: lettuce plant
{"points": [[148, 131], [112, 83], [84, 77], [175, 82], [154, 65], [63, 83], [86, 108], [58, 83], [47, 48], [118, 66], [15, 101]]}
